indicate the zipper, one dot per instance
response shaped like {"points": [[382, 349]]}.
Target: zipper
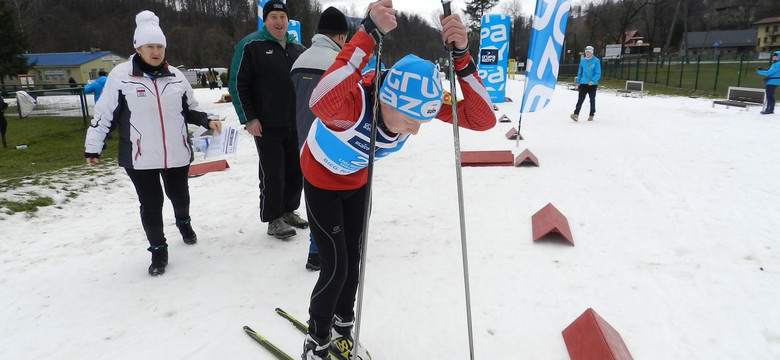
{"points": [[162, 124]]}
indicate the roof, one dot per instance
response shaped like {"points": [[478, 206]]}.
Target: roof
{"points": [[725, 38], [67, 59], [771, 20]]}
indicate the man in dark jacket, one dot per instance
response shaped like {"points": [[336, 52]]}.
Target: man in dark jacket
{"points": [[332, 30], [264, 98]]}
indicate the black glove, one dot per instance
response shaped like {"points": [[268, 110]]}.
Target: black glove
{"points": [[761, 69], [370, 27]]}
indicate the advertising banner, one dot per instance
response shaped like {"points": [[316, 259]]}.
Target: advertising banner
{"points": [[493, 53], [544, 53]]}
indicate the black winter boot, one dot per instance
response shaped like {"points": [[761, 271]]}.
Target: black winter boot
{"points": [[187, 234], [159, 259]]}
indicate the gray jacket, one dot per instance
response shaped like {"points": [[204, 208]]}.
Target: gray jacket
{"points": [[305, 74]]}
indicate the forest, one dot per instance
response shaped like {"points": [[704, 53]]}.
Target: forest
{"points": [[202, 33]]}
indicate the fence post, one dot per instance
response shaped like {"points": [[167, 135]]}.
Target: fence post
{"points": [[739, 72], [682, 67], [669, 70], [638, 63], [717, 71], [647, 65], [698, 64], [656, 69]]}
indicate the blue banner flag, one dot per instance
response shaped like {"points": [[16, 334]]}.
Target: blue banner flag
{"points": [[493, 52], [544, 53]]}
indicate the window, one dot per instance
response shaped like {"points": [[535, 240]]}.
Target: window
{"points": [[758, 42], [774, 28]]}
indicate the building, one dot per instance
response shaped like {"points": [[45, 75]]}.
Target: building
{"points": [[718, 42], [57, 68], [634, 44], [768, 34]]}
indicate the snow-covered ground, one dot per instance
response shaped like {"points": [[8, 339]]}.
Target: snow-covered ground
{"points": [[674, 208]]}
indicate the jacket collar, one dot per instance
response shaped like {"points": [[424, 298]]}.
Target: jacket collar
{"points": [[136, 70], [265, 35], [320, 40]]}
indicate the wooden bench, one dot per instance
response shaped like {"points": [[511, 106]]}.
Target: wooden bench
{"points": [[633, 88], [742, 97]]}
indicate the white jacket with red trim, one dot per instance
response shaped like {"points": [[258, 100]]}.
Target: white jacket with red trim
{"points": [[338, 103], [151, 116]]}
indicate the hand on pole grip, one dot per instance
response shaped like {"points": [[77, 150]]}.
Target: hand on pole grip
{"points": [[453, 31]]}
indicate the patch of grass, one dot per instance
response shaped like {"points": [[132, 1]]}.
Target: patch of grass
{"points": [[29, 206], [53, 143], [54, 156]]}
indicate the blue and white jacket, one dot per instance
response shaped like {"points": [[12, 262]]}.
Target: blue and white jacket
{"points": [[589, 70]]}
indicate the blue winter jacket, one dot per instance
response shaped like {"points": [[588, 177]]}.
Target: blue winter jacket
{"points": [[96, 87], [590, 70], [773, 73]]}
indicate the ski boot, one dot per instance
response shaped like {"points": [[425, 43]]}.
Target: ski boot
{"points": [[315, 349], [342, 341], [313, 262]]}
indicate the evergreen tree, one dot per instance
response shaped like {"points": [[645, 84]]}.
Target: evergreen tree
{"points": [[475, 9], [14, 43]]}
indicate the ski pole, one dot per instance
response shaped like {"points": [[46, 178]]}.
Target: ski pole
{"points": [[458, 174], [367, 211]]}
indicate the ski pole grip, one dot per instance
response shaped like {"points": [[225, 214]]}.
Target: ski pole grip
{"points": [[445, 4]]}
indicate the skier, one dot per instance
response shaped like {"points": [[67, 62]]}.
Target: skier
{"points": [[771, 80], [334, 157]]}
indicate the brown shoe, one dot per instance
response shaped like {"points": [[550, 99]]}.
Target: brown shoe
{"points": [[590, 118], [574, 117]]}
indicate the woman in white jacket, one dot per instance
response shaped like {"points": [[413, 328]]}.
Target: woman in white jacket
{"points": [[150, 104]]}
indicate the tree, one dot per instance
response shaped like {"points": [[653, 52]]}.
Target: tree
{"points": [[475, 9], [13, 45]]}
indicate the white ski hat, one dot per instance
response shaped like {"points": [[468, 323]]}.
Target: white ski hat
{"points": [[589, 48], [147, 30]]}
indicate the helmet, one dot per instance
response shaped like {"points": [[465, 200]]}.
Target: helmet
{"points": [[413, 87]]}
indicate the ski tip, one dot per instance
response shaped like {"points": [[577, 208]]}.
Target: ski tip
{"points": [[247, 328]]}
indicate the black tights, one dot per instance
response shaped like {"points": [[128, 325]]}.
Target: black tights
{"points": [[336, 222]]}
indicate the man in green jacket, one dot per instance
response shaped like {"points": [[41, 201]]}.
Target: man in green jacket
{"points": [[264, 98]]}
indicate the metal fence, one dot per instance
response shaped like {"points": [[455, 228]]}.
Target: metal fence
{"points": [[708, 73], [65, 102]]}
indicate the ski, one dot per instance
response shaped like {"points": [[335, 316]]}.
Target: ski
{"points": [[298, 325], [275, 351]]}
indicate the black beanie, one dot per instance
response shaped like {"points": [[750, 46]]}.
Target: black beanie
{"points": [[273, 5], [332, 21]]}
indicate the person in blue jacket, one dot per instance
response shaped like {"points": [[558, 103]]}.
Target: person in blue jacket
{"points": [[588, 76], [96, 86], [771, 80]]}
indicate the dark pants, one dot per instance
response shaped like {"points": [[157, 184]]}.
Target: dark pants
{"points": [[590, 90], [336, 221], [150, 195], [281, 180], [770, 98], [3, 128]]}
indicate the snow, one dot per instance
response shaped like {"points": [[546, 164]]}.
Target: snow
{"points": [[673, 207]]}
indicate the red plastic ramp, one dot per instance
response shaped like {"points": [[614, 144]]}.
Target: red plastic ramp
{"points": [[548, 220], [590, 337], [207, 167], [486, 158], [526, 158]]}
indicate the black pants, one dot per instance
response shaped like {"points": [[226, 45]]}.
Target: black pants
{"points": [[150, 195], [770, 98], [590, 90], [336, 222], [281, 180]]}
